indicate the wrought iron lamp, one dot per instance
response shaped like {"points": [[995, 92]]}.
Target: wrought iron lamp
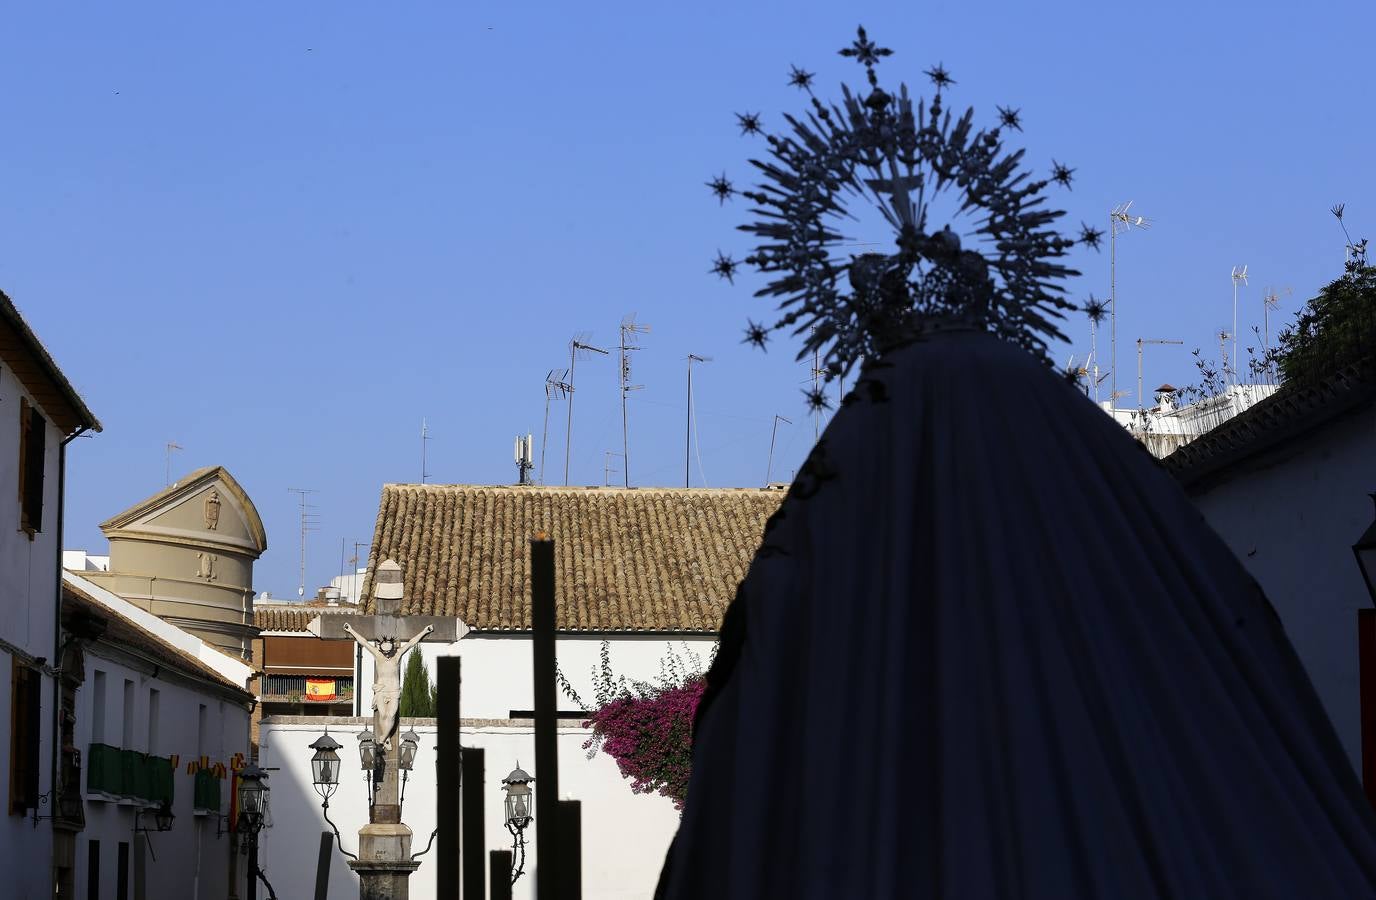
{"points": [[1365, 551], [325, 777], [409, 742], [253, 800], [520, 801], [162, 821], [367, 749]]}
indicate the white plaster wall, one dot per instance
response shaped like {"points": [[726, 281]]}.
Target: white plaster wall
{"points": [[191, 862], [625, 835], [28, 621], [497, 676], [1292, 521]]}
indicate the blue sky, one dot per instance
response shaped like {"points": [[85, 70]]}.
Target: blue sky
{"points": [[282, 234]]}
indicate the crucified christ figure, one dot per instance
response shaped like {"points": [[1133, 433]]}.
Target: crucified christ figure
{"points": [[387, 656]]}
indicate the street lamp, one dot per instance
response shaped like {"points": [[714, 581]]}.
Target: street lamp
{"points": [[519, 803], [162, 821], [253, 799], [409, 741], [325, 775], [325, 765], [367, 749], [1365, 551]]}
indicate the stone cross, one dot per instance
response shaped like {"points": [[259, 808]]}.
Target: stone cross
{"points": [[385, 843]]}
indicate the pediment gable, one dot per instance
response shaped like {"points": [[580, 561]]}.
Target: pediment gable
{"points": [[206, 507]]}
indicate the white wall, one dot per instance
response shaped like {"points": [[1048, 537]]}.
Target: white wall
{"points": [[497, 676], [625, 835], [191, 862], [28, 621], [1292, 521]]}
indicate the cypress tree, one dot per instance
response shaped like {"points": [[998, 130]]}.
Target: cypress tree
{"points": [[417, 695]]}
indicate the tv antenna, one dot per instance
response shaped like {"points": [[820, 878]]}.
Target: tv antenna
{"points": [[769, 469], [1223, 337], [629, 329], [1119, 219], [309, 523], [424, 444], [607, 467], [556, 384], [1239, 277], [525, 458], [170, 447], [1140, 343], [577, 345], [1270, 302], [690, 429]]}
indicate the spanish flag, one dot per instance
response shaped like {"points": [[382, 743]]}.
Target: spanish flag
{"points": [[320, 689]]}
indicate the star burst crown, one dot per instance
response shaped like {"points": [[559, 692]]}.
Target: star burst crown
{"points": [[1003, 275]]}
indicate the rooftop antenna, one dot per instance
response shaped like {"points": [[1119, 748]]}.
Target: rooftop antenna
{"points": [[607, 467], [579, 344], [1140, 343], [1119, 219], [424, 441], [1270, 302], [1239, 277], [769, 469], [688, 430], [629, 329], [1223, 337], [556, 383], [308, 524], [525, 457], [171, 446]]}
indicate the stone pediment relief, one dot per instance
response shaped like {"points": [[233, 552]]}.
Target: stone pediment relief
{"points": [[208, 508]]}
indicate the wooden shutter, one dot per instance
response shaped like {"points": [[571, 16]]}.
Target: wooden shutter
{"points": [[34, 454], [25, 713]]}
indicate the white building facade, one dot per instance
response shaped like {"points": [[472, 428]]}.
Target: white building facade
{"points": [[40, 414], [1286, 486], [161, 719]]}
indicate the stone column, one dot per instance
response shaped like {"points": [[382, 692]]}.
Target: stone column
{"points": [[384, 863]]}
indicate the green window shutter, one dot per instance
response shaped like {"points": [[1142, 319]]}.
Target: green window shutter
{"points": [[135, 767], [160, 779], [207, 791], [105, 770]]}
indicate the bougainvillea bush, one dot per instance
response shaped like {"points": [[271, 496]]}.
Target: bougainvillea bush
{"points": [[647, 727]]}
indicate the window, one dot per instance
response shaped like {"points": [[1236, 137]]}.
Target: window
{"points": [[98, 708], [93, 870], [33, 437], [128, 737], [200, 731], [25, 686], [154, 701], [122, 872]]}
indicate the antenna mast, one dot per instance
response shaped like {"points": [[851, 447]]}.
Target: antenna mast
{"points": [[308, 524], [525, 458], [171, 445], [578, 344], [688, 429], [769, 469], [629, 329], [424, 440], [1140, 343], [555, 383], [607, 469], [1239, 275], [1118, 220]]}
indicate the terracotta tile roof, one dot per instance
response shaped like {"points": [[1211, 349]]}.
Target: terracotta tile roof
{"points": [[1287, 414], [127, 633], [294, 617], [644, 559]]}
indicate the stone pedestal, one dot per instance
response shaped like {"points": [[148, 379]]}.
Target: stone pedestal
{"points": [[384, 863]]}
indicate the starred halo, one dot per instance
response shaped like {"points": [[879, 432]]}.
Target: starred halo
{"points": [[725, 267], [939, 77], [1095, 309], [1061, 174], [1090, 237], [865, 51], [755, 334], [749, 123], [799, 78], [971, 244], [721, 186], [816, 399]]}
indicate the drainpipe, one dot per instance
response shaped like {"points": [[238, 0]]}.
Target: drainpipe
{"points": [[56, 667]]}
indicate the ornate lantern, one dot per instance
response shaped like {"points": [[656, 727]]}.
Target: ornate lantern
{"points": [[519, 798], [367, 749], [164, 817], [253, 799], [409, 742], [325, 764]]}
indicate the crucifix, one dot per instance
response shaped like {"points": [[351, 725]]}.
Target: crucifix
{"points": [[385, 843]]}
